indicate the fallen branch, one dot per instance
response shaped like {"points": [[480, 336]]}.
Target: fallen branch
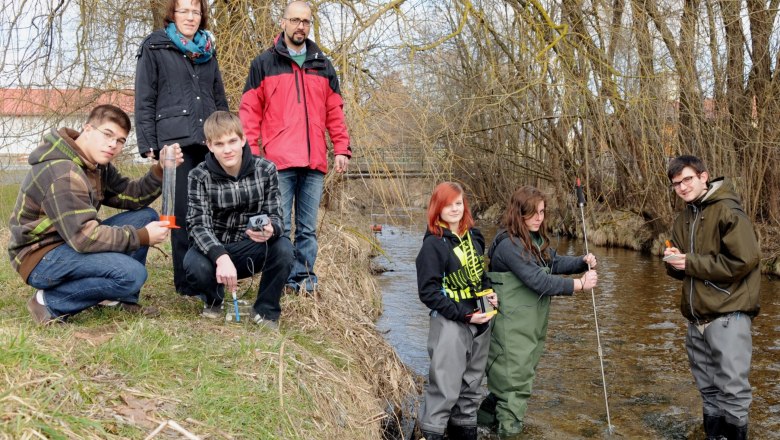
{"points": [[176, 427]]}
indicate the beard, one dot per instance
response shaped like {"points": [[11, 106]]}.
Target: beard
{"points": [[297, 38]]}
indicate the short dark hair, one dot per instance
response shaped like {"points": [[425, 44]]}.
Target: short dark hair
{"points": [[111, 113], [170, 7], [679, 163]]}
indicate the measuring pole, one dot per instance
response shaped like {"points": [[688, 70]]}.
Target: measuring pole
{"points": [[581, 203]]}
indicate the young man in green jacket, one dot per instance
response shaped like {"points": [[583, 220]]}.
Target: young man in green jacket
{"points": [[715, 252], [59, 245]]}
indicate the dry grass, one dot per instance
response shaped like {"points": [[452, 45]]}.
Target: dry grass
{"points": [[617, 229], [343, 313], [769, 237]]}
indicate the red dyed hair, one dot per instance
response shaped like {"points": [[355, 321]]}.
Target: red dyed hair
{"points": [[444, 194]]}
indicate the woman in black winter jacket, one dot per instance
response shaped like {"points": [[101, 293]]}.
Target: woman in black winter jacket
{"points": [[177, 86]]}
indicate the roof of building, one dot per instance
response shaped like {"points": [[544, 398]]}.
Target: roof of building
{"points": [[46, 102]]}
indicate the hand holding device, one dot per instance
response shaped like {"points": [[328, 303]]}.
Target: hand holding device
{"points": [[484, 302], [671, 252], [258, 222]]}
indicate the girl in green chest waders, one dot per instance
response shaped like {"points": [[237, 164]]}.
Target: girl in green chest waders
{"points": [[525, 274]]}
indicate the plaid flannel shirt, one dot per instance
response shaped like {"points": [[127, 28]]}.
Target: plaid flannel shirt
{"points": [[220, 205]]}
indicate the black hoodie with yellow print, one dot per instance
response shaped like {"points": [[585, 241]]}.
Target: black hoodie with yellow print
{"points": [[450, 271]]}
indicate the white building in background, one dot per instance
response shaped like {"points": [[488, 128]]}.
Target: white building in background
{"points": [[25, 114]]}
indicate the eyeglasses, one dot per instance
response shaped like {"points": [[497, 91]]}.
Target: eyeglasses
{"points": [[120, 141], [684, 181], [193, 12], [296, 21]]}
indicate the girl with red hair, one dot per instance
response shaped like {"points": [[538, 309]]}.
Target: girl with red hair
{"points": [[450, 277]]}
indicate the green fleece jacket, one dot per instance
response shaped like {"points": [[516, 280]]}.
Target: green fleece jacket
{"points": [[59, 200], [721, 273]]}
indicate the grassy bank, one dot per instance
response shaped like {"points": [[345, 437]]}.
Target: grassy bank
{"points": [[327, 373]]}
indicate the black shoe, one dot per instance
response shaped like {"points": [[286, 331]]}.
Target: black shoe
{"points": [[461, 432], [431, 436], [486, 415], [734, 432], [714, 427]]}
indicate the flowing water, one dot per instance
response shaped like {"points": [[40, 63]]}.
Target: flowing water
{"points": [[650, 389]]}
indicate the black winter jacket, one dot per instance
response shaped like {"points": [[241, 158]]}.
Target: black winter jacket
{"points": [[173, 96], [437, 262]]}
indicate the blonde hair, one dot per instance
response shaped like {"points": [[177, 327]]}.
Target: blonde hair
{"points": [[222, 123]]}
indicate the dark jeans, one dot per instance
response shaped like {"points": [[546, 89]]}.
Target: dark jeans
{"points": [[72, 281], [273, 258], [193, 155]]}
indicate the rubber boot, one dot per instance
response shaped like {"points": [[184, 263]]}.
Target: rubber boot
{"points": [[734, 432], [461, 432], [431, 436], [511, 430], [486, 415], [714, 427]]}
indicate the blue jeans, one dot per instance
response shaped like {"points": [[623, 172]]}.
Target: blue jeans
{"points": [[272, 258], [72, 281], [305, 186]]}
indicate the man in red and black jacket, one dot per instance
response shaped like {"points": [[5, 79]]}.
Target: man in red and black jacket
{"points": [[291, 97]]}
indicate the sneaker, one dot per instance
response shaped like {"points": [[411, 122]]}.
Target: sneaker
{"points": [[267, 323], [40, 314], [289, 289], [212, 312]]}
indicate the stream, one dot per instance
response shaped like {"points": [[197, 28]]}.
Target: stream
{"points": [[651, 393]]}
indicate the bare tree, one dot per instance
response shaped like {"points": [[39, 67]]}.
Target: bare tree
{"points": [[492, 93]]}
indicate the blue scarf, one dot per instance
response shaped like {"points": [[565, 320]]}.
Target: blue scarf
{"points": [[199, 50]]}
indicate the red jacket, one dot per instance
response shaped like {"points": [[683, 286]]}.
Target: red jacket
{"points": [[285, 109]]}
